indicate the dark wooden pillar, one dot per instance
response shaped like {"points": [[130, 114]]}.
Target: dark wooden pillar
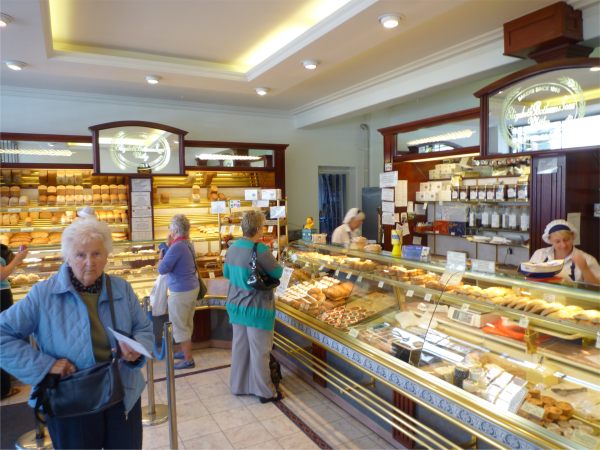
{"points": [[408, 406], [321, 354], [201, 326]]}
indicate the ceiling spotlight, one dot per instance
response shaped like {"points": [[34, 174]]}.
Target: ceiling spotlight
{"points": [[390, 20], [15, 65], [262, 91], [5, 20], [152, 79], [310, 64]]}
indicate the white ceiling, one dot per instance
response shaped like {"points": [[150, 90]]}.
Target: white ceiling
{"points": [[199, 48]]}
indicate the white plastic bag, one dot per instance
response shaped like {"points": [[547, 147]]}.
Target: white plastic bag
{"points": [[158, 296]]}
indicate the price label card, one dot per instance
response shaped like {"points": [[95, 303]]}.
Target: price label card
{"points": [[211, 275], [294, 257], [231, 229], [274, 253], [550, 298], [270, 229], [353, 332], [410, 293], [27, 230], [598, 339], [218, 207], [535, 411], [348, 276], [427, 297], [586, 439], [223, 252], [284, 281], [359, 279], [524, 322], [451, 278], [456, 261], [321, 267], [35, 209], [380, 284], [52, 208], [337, 272], [481, 265], [14, 210], [464, 307]]}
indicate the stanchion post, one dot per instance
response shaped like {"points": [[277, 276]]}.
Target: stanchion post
{"points": [[152, 414], [168, 335]]}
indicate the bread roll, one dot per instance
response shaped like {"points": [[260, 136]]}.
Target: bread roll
{"points": [[61, 190], [96, 189], [78, 190], [40, 241], [5, 191], [121, 189], [28, 221], [113, 189], [42, 189], [70, 199], [39, 234], [196, 189], [23, 215], [110, 217], [114, 199], [61, 200], [104, 189], [16, 176], [4, 201], [14, 219], [552, 307], [42, 200], [77, 177], [55, 220], [15, 191], [122, 198], [34, 215], [78, 199], [96, 199], [23, 200], [6, 219], [45, 215], [6, 176], [69, 189], [88, 199], [13, 201], [105, 199], [52, 200], [52, 190]]}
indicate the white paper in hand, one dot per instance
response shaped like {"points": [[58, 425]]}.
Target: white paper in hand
{"points": [[132, 343]]}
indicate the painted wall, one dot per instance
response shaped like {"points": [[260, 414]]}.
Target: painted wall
{"points": [[25, 111]]}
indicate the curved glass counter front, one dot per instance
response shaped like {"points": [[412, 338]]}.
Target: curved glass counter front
{"points": [[527, 351]]}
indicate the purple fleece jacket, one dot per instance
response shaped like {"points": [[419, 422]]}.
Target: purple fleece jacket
{"points": [[178, 264]]}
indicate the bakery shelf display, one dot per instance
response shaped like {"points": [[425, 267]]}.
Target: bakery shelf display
{"points": [[523, 352]]}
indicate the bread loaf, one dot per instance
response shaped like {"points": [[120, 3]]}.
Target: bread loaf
{"points": [[52, 178], [122, 198], [105, 199], [61, 200], [61, 190], [104, 189], [13, 201], [43, 177], [45, 215], [96, 189], [69, 177], [69, 189], [4, 201], [23, 200], [15, 191], [121, 189], [60, 177], [114, 199], [52, 190], [113, 189], [42, 189]]}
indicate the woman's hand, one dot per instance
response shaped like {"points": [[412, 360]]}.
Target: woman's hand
{"points": [[579, 261], [20, 256], [63, 367], [127, 353], [586, 273]]}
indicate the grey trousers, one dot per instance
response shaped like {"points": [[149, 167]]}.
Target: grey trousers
{"points": [[250, 374]]}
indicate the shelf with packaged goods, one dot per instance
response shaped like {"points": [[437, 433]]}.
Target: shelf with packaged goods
{"points": [[566, 329], [59, 208]]}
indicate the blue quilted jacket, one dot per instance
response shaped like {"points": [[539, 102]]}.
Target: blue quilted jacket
{"points": [[58, 319]]}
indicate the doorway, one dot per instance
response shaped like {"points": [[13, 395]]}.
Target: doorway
{"points": [[336, 194]]}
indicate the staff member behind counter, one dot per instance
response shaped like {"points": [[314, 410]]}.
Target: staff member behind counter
{"points": [[578, 265], [349, 228]]}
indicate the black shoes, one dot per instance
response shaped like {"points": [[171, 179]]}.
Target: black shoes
{"points": [[278, 397]]}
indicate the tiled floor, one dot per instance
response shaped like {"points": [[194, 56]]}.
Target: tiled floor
{"points": [[209, 417]]}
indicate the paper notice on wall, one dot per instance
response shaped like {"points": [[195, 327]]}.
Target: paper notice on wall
{"points": [[277, 212], [388, 207], [401, 193], [219, 207], [389, 218], [388, 179], [387, 195], [410, 207], [575, 220], [405, 229]]}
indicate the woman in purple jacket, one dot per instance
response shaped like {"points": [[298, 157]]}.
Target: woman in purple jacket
{"points": [[178, 262]]}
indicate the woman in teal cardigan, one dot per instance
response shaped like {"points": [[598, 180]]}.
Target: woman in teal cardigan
{"points": [[251, 313]]}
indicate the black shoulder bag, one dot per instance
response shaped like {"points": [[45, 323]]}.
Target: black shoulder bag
{"points": [[87, 391], [258, 279]]}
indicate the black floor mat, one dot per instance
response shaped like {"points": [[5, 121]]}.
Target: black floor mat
{"points": [[15, 420]]}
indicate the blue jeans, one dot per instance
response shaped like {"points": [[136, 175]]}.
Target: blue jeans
{"points": [[108, 429]]}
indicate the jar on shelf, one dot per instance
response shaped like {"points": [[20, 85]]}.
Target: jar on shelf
{"points": [[524, 219], [523, 191], [463, 193], [511, 191], [500, 193], [495, 219], [473, 193], [455, 194], [513, 218], [481, 193], [490, 192]]}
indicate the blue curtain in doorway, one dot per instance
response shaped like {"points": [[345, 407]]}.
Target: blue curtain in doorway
{"points": [[332, 189]]}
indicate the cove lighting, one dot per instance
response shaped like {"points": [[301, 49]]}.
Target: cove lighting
{"points": [[36, 152], [462, 134], [439, 158], [217, 157]]}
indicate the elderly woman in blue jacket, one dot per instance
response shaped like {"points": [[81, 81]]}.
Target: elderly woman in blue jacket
{"points": [[68, 315]]}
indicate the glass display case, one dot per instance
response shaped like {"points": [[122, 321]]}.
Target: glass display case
{"points": [[525, 351]]}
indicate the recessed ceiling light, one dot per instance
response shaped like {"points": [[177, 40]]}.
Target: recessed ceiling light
{"points": [[152, 79], [595, 69], [5, 20], [15, 65], [390, 20], [262, 91], [310, 64]]}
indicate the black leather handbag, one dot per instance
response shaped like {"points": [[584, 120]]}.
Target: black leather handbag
{"points": [[203, 289], [258, 279], [87, 391]]}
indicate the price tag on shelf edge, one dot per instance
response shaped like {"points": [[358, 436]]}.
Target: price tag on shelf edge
{"points": [[464, 307], [13, 210], [524, 322], [348, 275], [410, 293], [359, 279], [598, 339], [321, 267], [211, 275], [337, 272], [270, 229], [353, 332], [550, 298], [380, 284], [427, 297], [223, 252]]}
